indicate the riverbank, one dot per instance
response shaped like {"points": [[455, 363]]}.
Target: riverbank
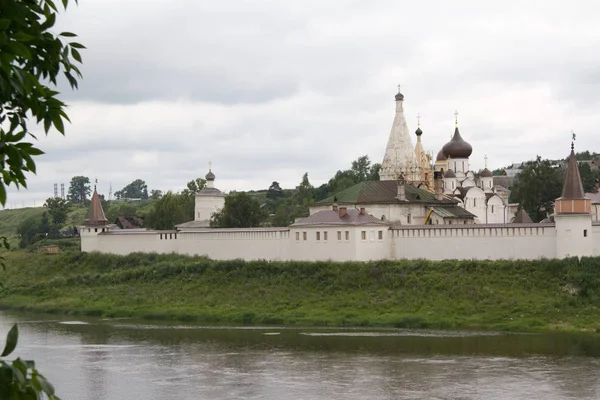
{"points": [[499, 295]]}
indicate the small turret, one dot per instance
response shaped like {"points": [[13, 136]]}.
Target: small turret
{"points": [[573, 216]]}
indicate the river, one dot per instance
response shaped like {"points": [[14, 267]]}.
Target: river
{"points": [[122, 359]]}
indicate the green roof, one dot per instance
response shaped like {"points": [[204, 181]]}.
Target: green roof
{"points": [[379, 192]]}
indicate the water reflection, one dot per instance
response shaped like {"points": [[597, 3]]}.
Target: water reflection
{"points": [[123, 359]]}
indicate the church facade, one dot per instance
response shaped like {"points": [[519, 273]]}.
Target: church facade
{"points": [[418, 210]]}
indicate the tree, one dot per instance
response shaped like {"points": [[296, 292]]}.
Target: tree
{"points": [[30, 230], [275, 191], [58, 209], [305, 191], [196, 185], [79, 189], [135, 190], [536, 187], [587, 176], [31, 59], [156, 194], [170, 210], [240, 211]]}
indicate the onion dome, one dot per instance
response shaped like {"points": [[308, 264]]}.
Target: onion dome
{"points": [[418, 132], [457, 147], [399, 96], [449, 174], [210, 176], [486, 173], [441, 156]]}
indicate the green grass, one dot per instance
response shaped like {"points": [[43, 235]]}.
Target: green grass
{"points": [[500, 295]]}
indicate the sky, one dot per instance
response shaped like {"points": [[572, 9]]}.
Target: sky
{"points": [[269, 90]]}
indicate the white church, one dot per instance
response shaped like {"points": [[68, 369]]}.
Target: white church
{"points": [[418, 209]]}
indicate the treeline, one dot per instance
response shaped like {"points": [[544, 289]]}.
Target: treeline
{"points": [[540, 182]]}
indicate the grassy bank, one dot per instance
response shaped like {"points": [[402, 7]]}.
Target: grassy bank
{"points": [[510, 295]]}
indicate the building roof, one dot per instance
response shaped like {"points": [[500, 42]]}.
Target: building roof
{"points": [[205, 223], [96, 215], [594, 196], [486, 173], [457, 147], [453, 212], [449, 174], [521, 217], [383, 192], [572, 188], [207, 191], [129, 222], [332, 217]]}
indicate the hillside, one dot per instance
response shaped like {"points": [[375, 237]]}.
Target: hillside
{"points": [[507, 295]]}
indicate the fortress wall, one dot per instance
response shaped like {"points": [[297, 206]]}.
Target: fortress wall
{"points": [[518, 241], [227, 245], [146, 242]]}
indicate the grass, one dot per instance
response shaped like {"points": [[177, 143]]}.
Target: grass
{"points": [[499, 295]]}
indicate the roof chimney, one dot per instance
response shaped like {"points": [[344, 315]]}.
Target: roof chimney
{"points": [[335, 207], [363, 211], [343, 211], [438, 184], [401, 195]]}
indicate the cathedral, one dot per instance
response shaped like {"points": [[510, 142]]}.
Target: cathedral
{"points": [[413, 190]]}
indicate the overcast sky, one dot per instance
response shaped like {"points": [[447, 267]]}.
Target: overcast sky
{"points": [[269, 90]]}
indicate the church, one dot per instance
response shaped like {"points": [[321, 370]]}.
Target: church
{"points": [[419, 209]]}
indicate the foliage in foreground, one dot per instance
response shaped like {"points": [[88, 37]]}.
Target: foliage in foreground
{"points": [[512, 295]]}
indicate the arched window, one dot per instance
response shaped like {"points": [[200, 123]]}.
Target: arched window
{"points": [[383, 217], [408, 219]]}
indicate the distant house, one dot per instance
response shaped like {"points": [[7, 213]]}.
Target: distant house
{"points": [[129, 222]]}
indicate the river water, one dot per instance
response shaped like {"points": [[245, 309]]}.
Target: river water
{"points": [[123, 359]]}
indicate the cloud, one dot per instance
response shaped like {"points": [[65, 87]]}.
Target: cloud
{"points": [[268, 90]]}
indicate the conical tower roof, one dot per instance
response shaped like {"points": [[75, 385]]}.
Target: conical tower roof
{"points": [[522, 217], [572, 187], [96, 215], [400, 157]]}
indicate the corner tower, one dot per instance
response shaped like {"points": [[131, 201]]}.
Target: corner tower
{"points": [[209, 200], [400, 159], [573, 216], [94, 224]]}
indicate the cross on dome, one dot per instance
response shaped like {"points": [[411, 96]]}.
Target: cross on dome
{"points": [[456, 118]]}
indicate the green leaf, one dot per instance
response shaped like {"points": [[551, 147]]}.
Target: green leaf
{"points": [[58, 123], [2, 194], [23, 37], [11, 341], [4, 23], [77, 45], [67, 34], [76, 55]]}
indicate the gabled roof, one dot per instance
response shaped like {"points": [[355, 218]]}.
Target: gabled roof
{"points": [[383, 192], [129, 222], [453, 212], [206, 191], [96, 215], [521, 217], [332, 217]]}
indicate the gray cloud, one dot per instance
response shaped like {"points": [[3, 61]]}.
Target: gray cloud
{"points": [[269, 91]]}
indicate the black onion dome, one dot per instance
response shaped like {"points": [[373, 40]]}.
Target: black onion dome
{"points": [[210, 176], [418, 132], [457, 147], [399, 97], [449, 174], [441, 156], [486, 173]]}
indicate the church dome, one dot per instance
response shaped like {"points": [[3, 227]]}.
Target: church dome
{"points": [[210, 176], [457, 147], [449, 174], [399, 96], [441, 156], [486, 173], [418, 132]]}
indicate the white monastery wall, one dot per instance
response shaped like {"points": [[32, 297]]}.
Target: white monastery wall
{"points": [[475, 242], [575, 235]]}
